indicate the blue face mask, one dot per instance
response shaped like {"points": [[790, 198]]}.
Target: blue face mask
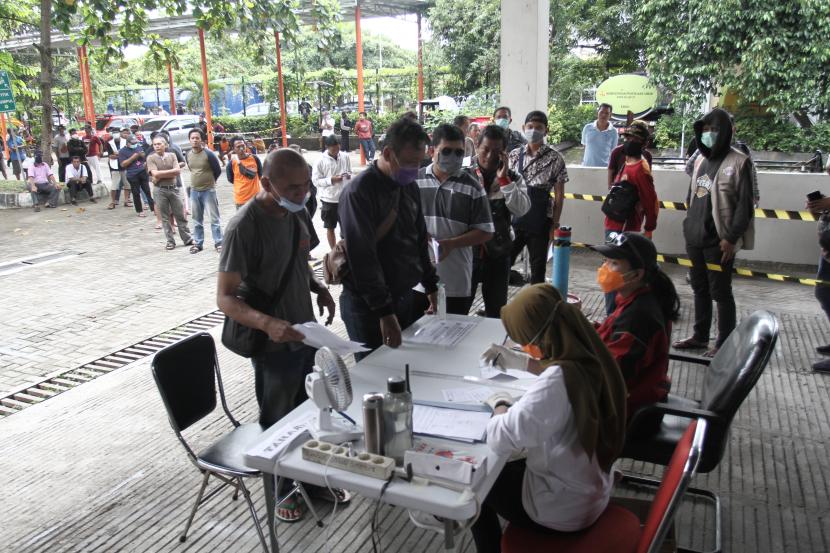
{"points": [[503, 123], [291, 206], [709, 138]]}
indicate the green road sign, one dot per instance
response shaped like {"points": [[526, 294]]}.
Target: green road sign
{"points": [[6, 95]]}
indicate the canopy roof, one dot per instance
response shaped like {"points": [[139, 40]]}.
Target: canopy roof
{"points": [[185, 25]]}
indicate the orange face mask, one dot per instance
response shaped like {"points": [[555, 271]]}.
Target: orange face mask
{"points": [[608, 279], [533, 350]]}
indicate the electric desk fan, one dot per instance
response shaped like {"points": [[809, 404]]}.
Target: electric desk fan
{"points": [[330, 387]]}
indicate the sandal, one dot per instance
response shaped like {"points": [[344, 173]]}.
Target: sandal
{"points": [[142, 214], [195, 249], [291, 509], [690, 343], [317, 492], [128, 204], [170, 246], [158, 226], [711, 352], [111, 206]]}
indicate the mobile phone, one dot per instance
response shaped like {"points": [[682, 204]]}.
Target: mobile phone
{"points": [[813, 196]]}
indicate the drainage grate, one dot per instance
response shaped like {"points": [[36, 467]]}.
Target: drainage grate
{"points": [[17, 265], [63, 381]]}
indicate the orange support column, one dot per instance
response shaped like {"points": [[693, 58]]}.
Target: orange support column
{"points": [[172, 90], [86, 86], [205, 89], [4, 136], [283, 113], [359, 49]]}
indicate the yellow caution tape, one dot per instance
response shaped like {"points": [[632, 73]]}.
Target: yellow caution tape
{"points": [[680, 206], [742, 271]]}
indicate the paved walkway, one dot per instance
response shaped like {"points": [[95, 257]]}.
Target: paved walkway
{"points": [[98, 469]]}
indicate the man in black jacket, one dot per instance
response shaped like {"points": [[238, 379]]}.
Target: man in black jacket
{"points": [[376, 302], [719, 222]]}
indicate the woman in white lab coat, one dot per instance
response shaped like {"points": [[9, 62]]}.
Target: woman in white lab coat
{"points": [[570, 422]]}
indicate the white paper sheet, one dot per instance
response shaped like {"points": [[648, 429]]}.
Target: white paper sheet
{"points": [[317, 336], [470, 394], [454, 424], [491, 373], [438, 332]]}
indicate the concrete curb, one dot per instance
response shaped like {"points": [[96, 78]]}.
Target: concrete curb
{"points": [[13, 200]]}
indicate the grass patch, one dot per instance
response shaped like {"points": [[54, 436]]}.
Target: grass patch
{"points": [[12, 186]]}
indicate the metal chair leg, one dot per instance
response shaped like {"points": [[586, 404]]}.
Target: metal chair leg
{"points": [[183, 537], [247, 495], [299, 487]]}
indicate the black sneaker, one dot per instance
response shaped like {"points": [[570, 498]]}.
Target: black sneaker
{"points": [[73, 202], [822, 366], [516, 278], [823, 350]]}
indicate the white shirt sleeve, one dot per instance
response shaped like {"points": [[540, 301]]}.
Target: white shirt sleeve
{"points": [[318, 174], [543, 411]]}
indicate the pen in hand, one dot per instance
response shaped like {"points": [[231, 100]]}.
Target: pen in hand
{"points": [[496, 358]]}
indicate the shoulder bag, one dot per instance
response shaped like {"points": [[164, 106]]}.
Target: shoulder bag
{"points": [[244, 340], [336, 262]]}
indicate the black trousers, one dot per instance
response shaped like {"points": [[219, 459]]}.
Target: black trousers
{"points": [[493, 274], [139, 183], [505, 500], [63, 162], [75, 186], [708, 286], [344, 141], [537, 246], [363, 324], [455, 305]]}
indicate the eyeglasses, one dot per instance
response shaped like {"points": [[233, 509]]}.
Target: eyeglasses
{"points": [[457, 152]]}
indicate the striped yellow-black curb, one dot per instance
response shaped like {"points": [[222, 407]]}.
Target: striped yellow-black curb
{"points": [[680, 206], [676, 260]]}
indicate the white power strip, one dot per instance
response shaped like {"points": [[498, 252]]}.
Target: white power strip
{"points": [[367, 464]]}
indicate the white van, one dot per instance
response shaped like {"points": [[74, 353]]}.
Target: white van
{"points": [[177, 126]]}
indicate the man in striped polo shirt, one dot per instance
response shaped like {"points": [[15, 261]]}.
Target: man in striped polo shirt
{"points": [[457, 215]]}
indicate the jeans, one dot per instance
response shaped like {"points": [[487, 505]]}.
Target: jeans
{"points": [[47, 193], [63, 162], [493, 274], [141, 183], [610, 297], [368, 145], [363, 325], [537, 248], [711, 285], [823, 290], [168, 200], [279, 382], [505, 500], [201, 201]]}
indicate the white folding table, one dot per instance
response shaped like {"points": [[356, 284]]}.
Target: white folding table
{"points": [[432, 369]]}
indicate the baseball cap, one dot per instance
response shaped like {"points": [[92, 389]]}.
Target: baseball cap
{"points": [[639, 129], [635, 248]]}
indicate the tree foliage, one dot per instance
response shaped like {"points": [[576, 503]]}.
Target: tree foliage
{"points": [[771, 52]]}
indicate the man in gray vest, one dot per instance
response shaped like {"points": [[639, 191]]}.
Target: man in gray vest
{"points": [[719, 222]]}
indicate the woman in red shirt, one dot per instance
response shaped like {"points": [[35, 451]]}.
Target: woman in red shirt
{"points": [[637, 172]]}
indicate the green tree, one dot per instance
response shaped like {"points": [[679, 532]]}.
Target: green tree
{"points": [[770, 52]]}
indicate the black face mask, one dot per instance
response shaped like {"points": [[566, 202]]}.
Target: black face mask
{"points": [[633, 148], [38, 160]]}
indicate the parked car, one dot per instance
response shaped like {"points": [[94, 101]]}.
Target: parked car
{"points": [[107, 120], [352, 107], [176, 125], [262, 108]]}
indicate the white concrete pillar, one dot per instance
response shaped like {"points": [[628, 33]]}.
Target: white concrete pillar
{"points": [[524, 56]]}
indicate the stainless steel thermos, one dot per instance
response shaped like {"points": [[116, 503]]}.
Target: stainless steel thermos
{"points": [[373, 423]]}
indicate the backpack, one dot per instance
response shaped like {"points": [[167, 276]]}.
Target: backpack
{"points": [[621, 200]]}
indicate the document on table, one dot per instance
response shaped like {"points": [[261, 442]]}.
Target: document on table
{"points": [[318, 336], [442, 332], [453, 424], [471, 394], [492, 373]]}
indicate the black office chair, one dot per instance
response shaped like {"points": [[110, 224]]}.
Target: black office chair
{"points": [[186, 374], [730, 376]]}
